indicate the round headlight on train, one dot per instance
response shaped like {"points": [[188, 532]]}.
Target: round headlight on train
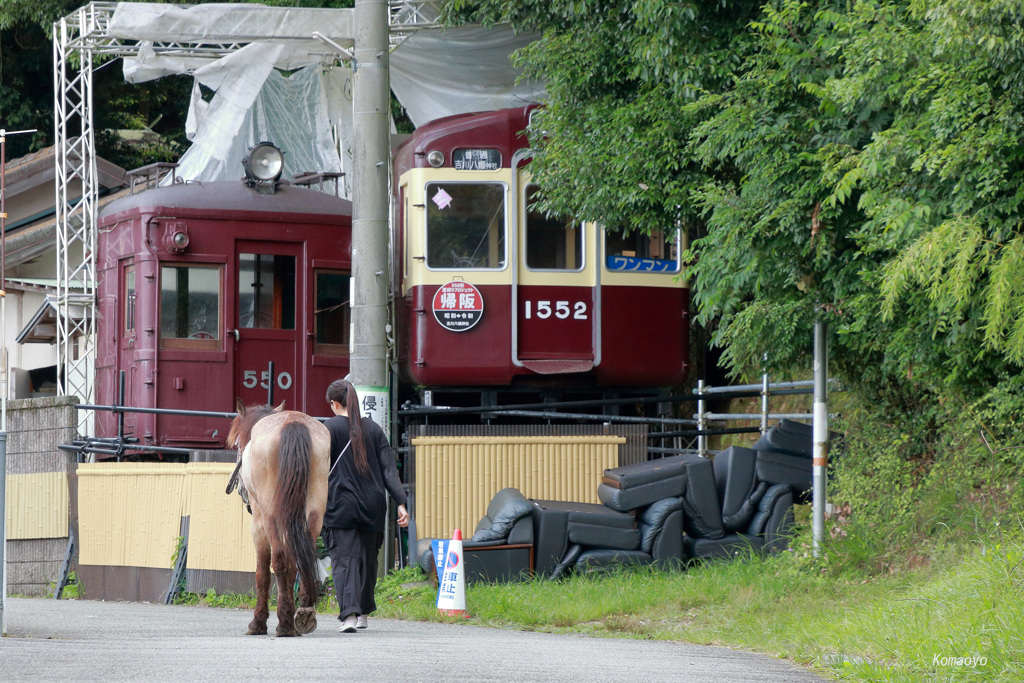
{"points": [[435, 158], [264, 163]]}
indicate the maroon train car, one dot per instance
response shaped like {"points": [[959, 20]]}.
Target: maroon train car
{"points": [[493, 292], [202, 286]]}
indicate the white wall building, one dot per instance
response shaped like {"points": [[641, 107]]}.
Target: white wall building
{"points": [[30, 249]]}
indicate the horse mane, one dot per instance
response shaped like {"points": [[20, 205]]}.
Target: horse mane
{"points": [[241, 427]]}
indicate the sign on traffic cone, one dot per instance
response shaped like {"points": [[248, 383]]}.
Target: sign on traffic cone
{"points": [[451, 590]]}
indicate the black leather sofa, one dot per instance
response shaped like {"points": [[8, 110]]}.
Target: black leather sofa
{"points": [[664, 512], [501, 548]]}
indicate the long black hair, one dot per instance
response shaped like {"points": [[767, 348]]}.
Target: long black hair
{"points": [[342, 391]]}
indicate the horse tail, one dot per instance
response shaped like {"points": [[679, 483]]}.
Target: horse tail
{"points": [[295, 447]]}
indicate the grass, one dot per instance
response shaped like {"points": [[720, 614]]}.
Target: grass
{"points": [[953, 610], [904, 625], [931, 592], [950, 608]]}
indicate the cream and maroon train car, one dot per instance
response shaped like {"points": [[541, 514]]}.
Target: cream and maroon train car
{"points": [[492, 293], [211, 291]]}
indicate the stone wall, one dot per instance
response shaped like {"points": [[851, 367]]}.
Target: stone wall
{"points": [[35, 429]]}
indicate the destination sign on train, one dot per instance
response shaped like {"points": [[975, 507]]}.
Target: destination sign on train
{"points": [[458, 306], [467, 159]]}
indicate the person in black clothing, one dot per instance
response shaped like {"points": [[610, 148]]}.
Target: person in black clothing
{"points": [[362, 469]]}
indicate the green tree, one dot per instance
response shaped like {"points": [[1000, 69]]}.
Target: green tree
{"points": [[857, 161]]}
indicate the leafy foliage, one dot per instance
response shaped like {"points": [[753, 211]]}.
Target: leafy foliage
{"points": [[857, 162]]}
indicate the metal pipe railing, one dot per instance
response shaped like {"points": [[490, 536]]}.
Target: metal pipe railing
{"points": [[758, 388], [763, 417], [156, 411]]}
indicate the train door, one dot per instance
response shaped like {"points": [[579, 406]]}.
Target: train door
{"points": [[269, 278], [557, 294], [127, 336]]}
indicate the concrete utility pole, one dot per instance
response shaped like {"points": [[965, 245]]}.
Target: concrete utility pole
{"points": [[371, 100]]}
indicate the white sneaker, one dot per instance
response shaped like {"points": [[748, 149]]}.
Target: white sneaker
{"points": [[349, 625], [361, 622]]}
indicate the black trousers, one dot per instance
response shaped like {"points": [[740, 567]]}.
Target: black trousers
{"points": [[354, 567]]}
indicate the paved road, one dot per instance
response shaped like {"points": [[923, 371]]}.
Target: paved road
{"points": [[119, 641]]}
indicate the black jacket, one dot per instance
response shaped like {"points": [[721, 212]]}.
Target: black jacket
{"points": [[352, 499]]}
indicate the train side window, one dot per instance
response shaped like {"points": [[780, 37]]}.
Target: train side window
{"points": [[641, 253], [551, 243], [331, 312], [266, 291], [466, 225], [129, 300], [190, 307]]}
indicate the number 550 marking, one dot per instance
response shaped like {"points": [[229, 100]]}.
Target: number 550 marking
{"points": [[284, 380]]}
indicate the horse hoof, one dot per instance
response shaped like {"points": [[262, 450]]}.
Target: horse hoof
{"points": [[305, 620], [286, 632], [256, 629]]}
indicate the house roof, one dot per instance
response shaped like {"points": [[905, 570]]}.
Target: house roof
{"points": [[30, 241], [42, 328], [40, 167], [37, 235]]}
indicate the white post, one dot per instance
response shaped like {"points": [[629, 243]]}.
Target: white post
{"points": [[820, 452], [702, 421], [764, 396]]}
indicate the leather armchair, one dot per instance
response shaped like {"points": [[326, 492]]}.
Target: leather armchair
{"points": [[501, 548], [661, 541], [728, 509]]}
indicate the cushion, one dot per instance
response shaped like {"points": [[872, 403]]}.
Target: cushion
{"points": [[506, 508], [652, 521], [777, 495], [703, 515], [638, 474], [624, 500], [736, 482], [780, 468], [788, 436], [726, 547], [604, 559], [590, 524]]}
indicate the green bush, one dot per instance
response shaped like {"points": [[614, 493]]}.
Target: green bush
{"points": [[929, 473]]}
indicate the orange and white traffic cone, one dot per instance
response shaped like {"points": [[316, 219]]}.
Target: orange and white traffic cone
{"points": [[451, 591]]}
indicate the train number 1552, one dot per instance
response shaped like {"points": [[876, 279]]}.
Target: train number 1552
{"points": [[560, 309]]}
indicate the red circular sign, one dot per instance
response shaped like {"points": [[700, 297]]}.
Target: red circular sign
{"points": [[458, 306]]}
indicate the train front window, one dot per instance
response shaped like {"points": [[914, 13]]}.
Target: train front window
{"points": [[331, 313], [466, 225], [266, 292], [190, 306], [637, 252], [551, 243]]}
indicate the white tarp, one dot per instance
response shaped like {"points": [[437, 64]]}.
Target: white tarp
{"points": [[226, 23], [434, 73], [291, 112], [440, 72]]}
